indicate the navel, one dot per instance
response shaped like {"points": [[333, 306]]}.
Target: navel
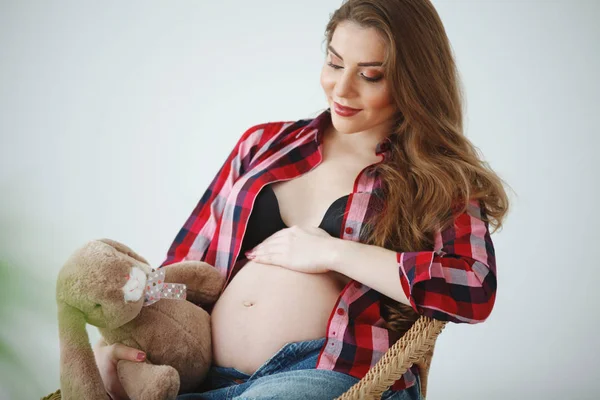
{"points": [[248, 303]]}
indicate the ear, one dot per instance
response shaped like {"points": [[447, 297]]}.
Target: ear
{"points": [[124, 249], [79, 375]]}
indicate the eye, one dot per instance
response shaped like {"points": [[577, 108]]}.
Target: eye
{"points": [[366, 77], [372, 79], [334, 66]]}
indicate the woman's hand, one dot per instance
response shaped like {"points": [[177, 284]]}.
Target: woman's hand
{"points": [[295, 248], [106, 359]]}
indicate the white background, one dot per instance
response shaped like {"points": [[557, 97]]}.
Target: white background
{"points": [[115, 116]]}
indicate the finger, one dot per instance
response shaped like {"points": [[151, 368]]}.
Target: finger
{"points": [[122, 352], [272, 255], [264, 259], [282, 232], [264, 247]]}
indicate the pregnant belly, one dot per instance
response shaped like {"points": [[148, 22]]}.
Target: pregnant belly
{"points": [[264, 307]]}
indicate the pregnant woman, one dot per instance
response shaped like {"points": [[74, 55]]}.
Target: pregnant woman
{"points": [[335, 233]]}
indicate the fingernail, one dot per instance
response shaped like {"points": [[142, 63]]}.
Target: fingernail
{"points": [[140, 356], [250, 255]]}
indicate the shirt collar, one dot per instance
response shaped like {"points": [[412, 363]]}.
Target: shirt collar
{"points": [[323, 120]]}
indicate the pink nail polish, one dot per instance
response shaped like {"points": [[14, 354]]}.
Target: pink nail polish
{"points": [[140, 356]]}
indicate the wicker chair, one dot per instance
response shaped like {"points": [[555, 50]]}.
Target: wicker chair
{"points": [[414, 347]]}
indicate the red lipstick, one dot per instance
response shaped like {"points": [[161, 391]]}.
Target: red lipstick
{"points": [[345, 111]]}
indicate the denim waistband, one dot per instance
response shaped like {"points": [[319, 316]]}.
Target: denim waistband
{"points": [[292, 356]]}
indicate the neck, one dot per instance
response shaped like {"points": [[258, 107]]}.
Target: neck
{"points": [[359, 143]]}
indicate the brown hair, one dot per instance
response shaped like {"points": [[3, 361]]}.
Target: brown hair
{"points": [[433, 170]]}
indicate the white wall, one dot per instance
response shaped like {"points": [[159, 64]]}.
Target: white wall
{"points": [[114, 116]]}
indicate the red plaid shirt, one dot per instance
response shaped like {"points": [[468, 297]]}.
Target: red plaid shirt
{"points": [[455, 281]]}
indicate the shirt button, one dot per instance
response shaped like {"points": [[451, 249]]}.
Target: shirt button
{"points": [[341, 311], [349, 230], [357, 285]]}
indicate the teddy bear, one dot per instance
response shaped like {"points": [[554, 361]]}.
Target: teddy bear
{"points": [[159, 311]]}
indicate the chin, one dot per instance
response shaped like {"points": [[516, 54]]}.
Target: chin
{"points": [[343, 125]]}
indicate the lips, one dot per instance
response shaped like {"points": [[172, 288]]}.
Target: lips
{"points": [[345, 111]]}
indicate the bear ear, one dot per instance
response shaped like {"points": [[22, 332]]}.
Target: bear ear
{"points": [[76, 355], [124, 249]]}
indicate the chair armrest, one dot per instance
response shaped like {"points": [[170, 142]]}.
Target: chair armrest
{"points": [[414, 347]]}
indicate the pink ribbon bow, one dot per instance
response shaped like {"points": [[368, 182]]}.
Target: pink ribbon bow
{"points": [[157, 289]]}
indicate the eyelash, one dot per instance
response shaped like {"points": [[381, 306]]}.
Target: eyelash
{"points": [[372, 80]]}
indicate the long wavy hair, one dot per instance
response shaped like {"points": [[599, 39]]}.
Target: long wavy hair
{"points": [[434, 170]]}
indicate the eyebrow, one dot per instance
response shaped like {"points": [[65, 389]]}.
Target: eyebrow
{"points": [[363, 64]]}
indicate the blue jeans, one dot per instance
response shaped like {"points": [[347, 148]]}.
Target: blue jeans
{"points": [[289, 374]]}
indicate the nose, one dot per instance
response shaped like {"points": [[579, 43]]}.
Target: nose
{"points": [[343, 85]]}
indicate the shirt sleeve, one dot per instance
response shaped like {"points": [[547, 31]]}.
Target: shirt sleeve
{"points": [[194, 237], [457, 282]]}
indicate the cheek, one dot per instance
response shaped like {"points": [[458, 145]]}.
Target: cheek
{"points": [[378, 98], [327, 80]]}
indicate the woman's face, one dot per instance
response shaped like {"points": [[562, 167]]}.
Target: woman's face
{"points": [[357, 86]]}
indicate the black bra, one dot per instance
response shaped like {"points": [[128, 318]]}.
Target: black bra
{"points": [[266, 219]]}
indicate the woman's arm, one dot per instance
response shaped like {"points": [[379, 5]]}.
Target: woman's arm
{"points": [[455, 283], [196, 234]]}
